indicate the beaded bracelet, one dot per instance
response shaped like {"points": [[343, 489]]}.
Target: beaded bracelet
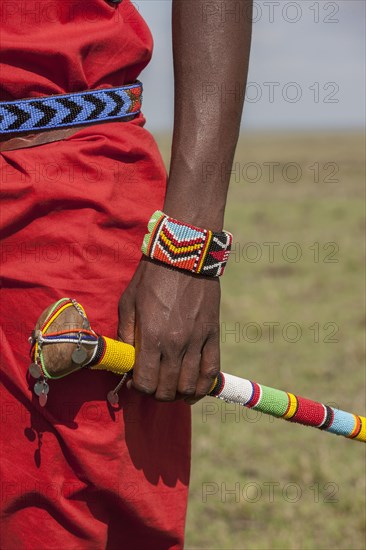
{"points": [[186, 247]]}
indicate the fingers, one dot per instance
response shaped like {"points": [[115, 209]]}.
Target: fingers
{"points": [[168, 376], [209, 369], [126, 320], [146, 371], [178, 371], [177, 374], [168, 379], [189, 373], [161, 374]]}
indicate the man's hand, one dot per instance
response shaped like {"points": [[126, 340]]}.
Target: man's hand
{"points": [[172, 319]]}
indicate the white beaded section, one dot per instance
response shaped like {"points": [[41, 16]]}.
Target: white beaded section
{"points": [[236, 390]]}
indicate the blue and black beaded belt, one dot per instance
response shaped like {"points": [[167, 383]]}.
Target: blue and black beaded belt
{"points": [[67, 110]]}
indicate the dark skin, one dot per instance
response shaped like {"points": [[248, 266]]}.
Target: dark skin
{"points": [[171, 316]]}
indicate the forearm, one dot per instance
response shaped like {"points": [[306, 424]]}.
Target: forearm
{"points": [[211, 54], [169, 316]]}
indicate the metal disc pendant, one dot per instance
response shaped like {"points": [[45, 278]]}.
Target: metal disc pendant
{"points": [[35, 370], [78, 356], [41, 387], [42, 399], [112, 397], [38, 387]]}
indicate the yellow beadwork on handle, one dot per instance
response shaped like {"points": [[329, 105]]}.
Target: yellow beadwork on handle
{"points": [[118, 357], [362, 435]]}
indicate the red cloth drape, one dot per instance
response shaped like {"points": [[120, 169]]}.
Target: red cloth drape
{"points": [[73, 215]]}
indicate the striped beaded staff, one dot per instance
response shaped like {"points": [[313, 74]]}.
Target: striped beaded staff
{"points": [[57, 352], [291, 407]]}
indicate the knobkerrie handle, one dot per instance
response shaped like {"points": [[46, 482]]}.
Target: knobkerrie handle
{"points": [[119, 358]]}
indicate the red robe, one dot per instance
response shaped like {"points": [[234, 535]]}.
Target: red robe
{"points": [[73, 214]]}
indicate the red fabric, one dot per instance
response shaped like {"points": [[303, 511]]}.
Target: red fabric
{"points": [[74, 212]]}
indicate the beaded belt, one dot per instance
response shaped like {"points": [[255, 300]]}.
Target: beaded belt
{"points": [[66, 110]]}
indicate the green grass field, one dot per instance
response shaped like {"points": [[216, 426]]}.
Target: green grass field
{"points": [[293, 318]]}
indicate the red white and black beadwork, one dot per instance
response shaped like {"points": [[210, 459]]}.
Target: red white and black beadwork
{"points": [[185, 246]]}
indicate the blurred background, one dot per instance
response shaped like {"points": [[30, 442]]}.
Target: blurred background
{"points": [[318, 46], [293, 293]]}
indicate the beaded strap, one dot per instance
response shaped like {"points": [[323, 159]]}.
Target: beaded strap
{"points": [[67, 110], [185, 246]]}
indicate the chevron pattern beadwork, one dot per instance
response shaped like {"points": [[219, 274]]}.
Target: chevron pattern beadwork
{"points": [[59, 111], [185, 246]]}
